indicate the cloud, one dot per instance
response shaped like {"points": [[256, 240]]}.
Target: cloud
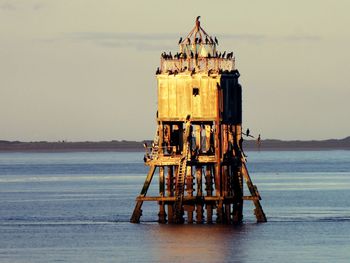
{"points": [[138, 41], [7, 6], [245, 37], [15, 6], [167, 41], [304, 38]]}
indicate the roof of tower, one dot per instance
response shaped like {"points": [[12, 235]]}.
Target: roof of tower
{"points": [[197, 53], [198, 35]]}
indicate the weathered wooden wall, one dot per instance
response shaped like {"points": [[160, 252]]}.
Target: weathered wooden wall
{"points": [[176, 98]]}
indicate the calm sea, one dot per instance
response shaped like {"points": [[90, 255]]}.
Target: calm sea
{"points": [[75, 207]]}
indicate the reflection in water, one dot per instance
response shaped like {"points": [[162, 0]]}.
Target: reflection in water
{"points": [[199, 243]]}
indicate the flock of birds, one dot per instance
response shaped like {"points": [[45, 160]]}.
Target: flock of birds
{"points": [[183, 55], [198, 40], [193, 71]]}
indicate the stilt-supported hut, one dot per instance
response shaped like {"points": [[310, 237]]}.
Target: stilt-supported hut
{"points": [[197, 148]]}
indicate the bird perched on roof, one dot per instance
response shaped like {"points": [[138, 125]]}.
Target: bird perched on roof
{"points": [[198, 23]]}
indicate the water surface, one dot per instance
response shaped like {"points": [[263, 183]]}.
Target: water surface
{"points": [[75, 207]]}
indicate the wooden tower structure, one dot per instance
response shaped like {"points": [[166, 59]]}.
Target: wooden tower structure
{"points": [[197, 148]]}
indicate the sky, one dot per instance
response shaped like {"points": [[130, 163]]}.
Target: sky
{"points": [[79, 70]]}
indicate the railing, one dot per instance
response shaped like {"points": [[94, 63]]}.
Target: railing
{"points": [[200, 64]]}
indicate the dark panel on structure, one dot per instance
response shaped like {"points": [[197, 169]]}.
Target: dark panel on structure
{"points": [[232, 100]]}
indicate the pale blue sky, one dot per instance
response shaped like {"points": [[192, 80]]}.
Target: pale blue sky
{"points": [[84, 69]]}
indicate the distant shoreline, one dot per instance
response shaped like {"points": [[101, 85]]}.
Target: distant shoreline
{"points": [[134, 146]]}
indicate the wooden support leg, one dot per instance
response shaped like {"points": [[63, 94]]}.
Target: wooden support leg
{"points": [[199, 206], [237, 214], [209, 190], [189, 191], [161, 214], [227, 213], [135, 218], [170, 192], [219, 212], [259, 213], [199, 213]]}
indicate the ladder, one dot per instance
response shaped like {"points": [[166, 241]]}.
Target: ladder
{"points": [[181, 174]]}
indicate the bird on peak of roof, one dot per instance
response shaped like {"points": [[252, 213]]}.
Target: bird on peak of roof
{"points": [[197, 21]]}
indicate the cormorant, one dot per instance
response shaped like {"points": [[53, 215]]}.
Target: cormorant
{"points": [[216, 41], [193, 71], [223, 54], [180, 40], [158, 71], [191, 54], [197, 21], [206, 40], [247, 132]]}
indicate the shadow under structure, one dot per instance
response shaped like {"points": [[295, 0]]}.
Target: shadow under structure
{"points": [[197, 150]]}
